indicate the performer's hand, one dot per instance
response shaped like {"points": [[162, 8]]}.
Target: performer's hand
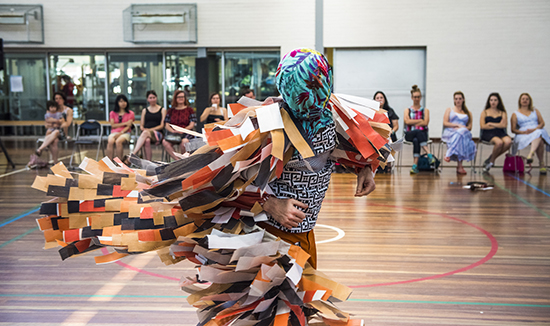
{"points": [[365, 182], [285, 211]]}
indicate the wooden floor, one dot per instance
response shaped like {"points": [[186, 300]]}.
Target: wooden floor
{"points": [[420, 250]]}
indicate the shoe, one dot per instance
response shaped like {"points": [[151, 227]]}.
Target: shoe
{"points": [[38, 152], [414, 169], [431, 158], [487, 161], [488, 166], [462, 171], [529, 160], [542, 171]]}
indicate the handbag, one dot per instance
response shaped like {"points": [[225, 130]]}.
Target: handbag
{"points": [[513, 164], [173, 137]]}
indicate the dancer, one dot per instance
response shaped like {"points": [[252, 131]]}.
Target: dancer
{"points": [[528, 125], [457, 123], [417, 119], [493, 122], [209, 207]]}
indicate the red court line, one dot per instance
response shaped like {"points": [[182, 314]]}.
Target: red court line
{"points": [[139, 270], [492, 252]]}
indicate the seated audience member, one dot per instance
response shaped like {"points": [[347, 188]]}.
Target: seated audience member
{"points": [[457, 123], [528, 125], [493, 122], [394, 121], [53, 120], [122, 120], [214, 113], [181, 115], [151, 125], [416, 120]]}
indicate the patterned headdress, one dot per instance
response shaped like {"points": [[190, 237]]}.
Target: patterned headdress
{"points": [[304, 79]]}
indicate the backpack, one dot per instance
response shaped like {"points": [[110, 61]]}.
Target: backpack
{"points": [[424, 163]]}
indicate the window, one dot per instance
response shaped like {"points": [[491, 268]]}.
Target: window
{"points": [[250, 70], [23, 92], [82, 79], [133, 75], [180, 74]]}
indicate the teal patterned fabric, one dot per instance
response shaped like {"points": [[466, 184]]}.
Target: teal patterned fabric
{"points": [[304, 79]]}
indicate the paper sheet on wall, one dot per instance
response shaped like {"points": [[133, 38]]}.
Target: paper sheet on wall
{"points": [[16, 83]]}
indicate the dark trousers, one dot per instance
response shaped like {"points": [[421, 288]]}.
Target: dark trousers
{"points": [[419, 138]]}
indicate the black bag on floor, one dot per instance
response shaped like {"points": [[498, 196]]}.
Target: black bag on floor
{"points": [[424, 163]]}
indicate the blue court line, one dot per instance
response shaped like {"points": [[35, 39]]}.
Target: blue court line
{"points": [[13, 219], [521, 199], [87, 296], [530, 185], [18, 237]]}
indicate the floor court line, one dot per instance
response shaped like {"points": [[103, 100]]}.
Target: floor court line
{"points": [[122, 296], [530, 185]]}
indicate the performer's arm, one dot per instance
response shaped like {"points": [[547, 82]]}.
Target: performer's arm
{"points": [[285, 211], [365, 182]]}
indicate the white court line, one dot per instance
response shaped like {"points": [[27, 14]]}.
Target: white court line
{"points": [[340, 235], [25, 169]]}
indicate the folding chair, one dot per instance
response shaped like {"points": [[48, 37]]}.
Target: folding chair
{"points": [[89, 132], [440, 153], [406, 142], [479, 149], [68, 140]]}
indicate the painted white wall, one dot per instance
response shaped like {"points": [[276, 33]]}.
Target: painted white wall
{"points": [[477, 47], [284, 24]]}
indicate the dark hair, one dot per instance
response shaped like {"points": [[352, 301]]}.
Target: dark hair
{"points": [[500, 106], [122, 97], [386, 104], [214, 94], [175, 101], [464, 107], [62, 95], [151, 92], [246, 91], [50, 104]]}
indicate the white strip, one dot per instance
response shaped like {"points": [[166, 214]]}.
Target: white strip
{"points": [[340, 235]]}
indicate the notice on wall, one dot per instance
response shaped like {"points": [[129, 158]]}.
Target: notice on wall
{"points": [[16, 83]]}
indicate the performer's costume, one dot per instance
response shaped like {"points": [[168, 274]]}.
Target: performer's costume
{"points": [[206, 208]]}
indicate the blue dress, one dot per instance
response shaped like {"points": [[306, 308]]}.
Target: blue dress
{"points": [[529, 122], [460, 146]]}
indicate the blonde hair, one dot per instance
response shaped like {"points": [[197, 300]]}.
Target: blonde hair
{"points": [[464, 107], [530, 101], [415, 89]]}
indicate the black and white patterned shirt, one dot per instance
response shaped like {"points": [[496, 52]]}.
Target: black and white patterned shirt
{"points": [[307, 180]]}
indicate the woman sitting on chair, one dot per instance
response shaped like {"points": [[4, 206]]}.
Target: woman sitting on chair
{"points": [[417, 119], [527, 124], [152, 123], [55, 135], [122, 120], [493, 124], [181, 115], [457, 123], [214, 113]]}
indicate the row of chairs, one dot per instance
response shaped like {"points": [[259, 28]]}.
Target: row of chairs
{"points": [[90, 132]]}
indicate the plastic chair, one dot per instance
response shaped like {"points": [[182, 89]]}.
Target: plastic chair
{"points": [[89, 132]]}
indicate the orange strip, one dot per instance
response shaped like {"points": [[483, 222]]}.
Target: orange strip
{"points": [[63, 224], [295, 137], [299, 254], [44, 223], [278, 140], [236, 107], [112, 257], [52, 235], [359, 139], [202, 173], [214, 137]]}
